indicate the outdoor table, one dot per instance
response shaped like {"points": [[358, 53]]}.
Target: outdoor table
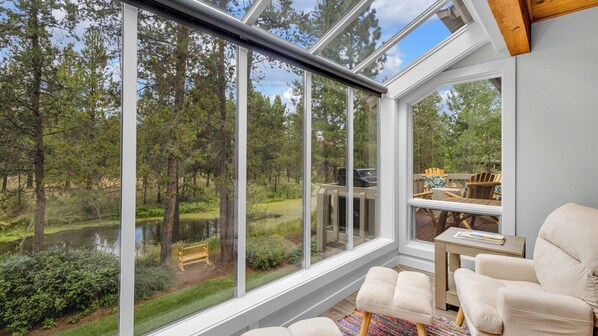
{"points": [[456, 215]]}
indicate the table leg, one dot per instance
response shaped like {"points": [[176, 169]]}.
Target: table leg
{"points": [[441, 278], [454, 261]]}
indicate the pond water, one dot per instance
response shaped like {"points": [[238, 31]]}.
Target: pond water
{"points": [[107, 238]]}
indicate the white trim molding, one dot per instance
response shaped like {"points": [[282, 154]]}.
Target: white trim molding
{"points": [[481, 12], [505, 69], [460, 44]]}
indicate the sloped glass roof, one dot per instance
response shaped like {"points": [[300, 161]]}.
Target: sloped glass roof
{"points": [[374, 38], [303, 22], [236, 8]]}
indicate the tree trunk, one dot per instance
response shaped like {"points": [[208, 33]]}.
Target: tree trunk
{"points": [[177, 217], [169, 213], [19, 190], [226, 223], [39, 155], [159, 197], [29, 180], [4, 183], [144, 182], [207, 180]]}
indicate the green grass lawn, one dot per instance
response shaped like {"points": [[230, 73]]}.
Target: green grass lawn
{"points": [[165, 309]]}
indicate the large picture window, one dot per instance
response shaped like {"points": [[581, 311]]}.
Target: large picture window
{"points": [[459, 162], [150, 171], [457, 156]]}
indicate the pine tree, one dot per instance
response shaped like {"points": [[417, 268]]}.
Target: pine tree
{"points": [[30, 78]]}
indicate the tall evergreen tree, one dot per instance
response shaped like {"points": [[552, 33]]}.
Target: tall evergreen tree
{"points": [[30, 77]]}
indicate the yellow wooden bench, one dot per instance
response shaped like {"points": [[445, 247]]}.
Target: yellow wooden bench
{"points": [[193, 254]]}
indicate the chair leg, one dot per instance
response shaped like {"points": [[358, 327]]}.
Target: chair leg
{"points": [[421, 329], [460, 317], [365, 324]]}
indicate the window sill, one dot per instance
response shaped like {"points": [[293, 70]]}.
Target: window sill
{"points": [[232, 315]]}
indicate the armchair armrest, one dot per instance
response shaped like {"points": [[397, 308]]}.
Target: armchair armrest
{"points": [[505, 268], [526, 312]]}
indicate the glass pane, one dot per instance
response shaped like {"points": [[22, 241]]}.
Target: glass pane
{"points": [[329, 153], [186, 163], [371, 29], [457, 144], [429, 223], [236, 8], [365, 175], [60, 117], [274, 171], [425, 37], [303, 22]]}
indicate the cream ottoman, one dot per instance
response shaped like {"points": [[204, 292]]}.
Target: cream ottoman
{"points": [[318, 326], [405, 295]]}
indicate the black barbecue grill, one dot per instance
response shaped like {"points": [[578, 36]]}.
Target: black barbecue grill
{"points": [[362, 177]]}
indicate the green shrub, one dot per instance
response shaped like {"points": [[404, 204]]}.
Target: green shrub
{"points": [[49, 323], [151, 279], [148, 212], [75, 318], [297, 253], [265, 252], [286, 191], [52, 283]]}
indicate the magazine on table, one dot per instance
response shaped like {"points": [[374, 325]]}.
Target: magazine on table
{"points": [[486, 237]]}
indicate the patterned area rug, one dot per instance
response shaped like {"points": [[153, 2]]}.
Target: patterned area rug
{"points": [[384, 326]]}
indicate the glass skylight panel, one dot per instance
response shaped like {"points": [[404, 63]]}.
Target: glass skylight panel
{"points": [[236, 8], [303, 22], [382, 20], [423, 39]]}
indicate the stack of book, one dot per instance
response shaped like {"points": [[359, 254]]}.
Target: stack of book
{"points": [[486, 237]]}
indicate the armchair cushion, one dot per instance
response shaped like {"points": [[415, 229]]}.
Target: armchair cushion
{"points": [[478, 298], [505, 268], [538, 314], [566, 257]]}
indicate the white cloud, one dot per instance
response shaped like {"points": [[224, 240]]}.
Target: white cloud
{"points": [[393, 12], [394, 61]]}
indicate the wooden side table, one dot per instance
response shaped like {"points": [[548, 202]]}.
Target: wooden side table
{"points": [[445, 243]]}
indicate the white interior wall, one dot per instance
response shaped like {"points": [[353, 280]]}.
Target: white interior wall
{"points": [[557, 118]]}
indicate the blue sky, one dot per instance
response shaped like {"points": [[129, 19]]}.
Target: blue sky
{"points": [[393, 15]]}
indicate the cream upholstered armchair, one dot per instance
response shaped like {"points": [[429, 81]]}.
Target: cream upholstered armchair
{"points": [[554, 294]]}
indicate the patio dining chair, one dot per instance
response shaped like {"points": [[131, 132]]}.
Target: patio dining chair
{"points": [[433, 178], [481, 186]]}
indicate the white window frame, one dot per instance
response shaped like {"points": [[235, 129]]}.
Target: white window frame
{"points": [[247, 309], [420, 254]]}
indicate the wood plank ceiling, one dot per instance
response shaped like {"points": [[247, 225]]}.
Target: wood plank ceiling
{"points": [[515, 17]]}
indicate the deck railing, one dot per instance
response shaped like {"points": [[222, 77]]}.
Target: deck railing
{"points": [[452, 181]]}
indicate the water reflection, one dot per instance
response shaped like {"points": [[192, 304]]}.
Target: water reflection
{"points": [[107, 238]]}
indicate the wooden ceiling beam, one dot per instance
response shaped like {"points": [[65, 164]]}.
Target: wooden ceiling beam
{"points": [[547, 9], [514, 22]]}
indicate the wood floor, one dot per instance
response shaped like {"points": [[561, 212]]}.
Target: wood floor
{"points": [[347, 306]]}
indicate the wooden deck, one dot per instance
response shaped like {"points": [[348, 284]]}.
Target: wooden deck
{"points": [[425, 227], [347, 306]]}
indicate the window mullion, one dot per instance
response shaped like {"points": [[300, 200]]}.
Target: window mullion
{"points": [[128, 170], [307, 86], [241, 167], [349, 171]]}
